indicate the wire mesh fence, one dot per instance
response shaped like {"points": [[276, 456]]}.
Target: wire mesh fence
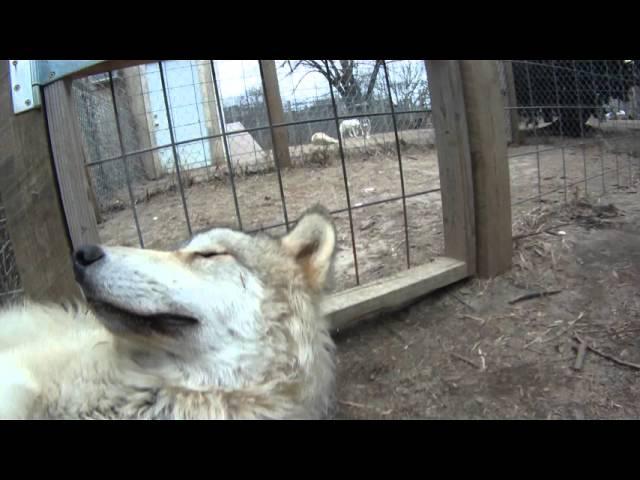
{"points": [[10, 286], [178, 146], [182, 145], [573, 127]]}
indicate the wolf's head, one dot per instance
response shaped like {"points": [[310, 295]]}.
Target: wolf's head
{"points": [[224, 294]]}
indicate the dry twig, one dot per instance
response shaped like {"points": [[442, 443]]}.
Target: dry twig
{"points": [[466, 360], [600, 353], [582, 350], [530, 296]]}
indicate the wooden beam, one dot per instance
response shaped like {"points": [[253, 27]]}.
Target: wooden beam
{"points": [[276, 113], [109, 66], [484, 107], [511, 101], [454, 160], [69, 161], [134, 93], [210, 109], [35, 219], [351, 306], [152, 140], [92, 197]]}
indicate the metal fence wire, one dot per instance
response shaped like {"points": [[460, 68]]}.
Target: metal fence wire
{"points": [[10, 286], [573, 127], [181, 145], [178, 146]]}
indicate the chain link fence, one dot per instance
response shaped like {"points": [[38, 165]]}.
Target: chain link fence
{"points": [[573, 126], [10, 286]]}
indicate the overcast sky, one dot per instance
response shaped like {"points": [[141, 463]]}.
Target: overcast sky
{"points": [[236, 76]]}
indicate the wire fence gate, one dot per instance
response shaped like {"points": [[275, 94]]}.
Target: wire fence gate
{"points": [[10, 287], [358, 139], [178, 146]]}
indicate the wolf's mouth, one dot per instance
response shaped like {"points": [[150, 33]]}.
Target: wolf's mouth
{"points": [[156, 321]]}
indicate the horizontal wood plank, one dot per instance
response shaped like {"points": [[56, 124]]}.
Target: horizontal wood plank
{"points": [[350, 306]]}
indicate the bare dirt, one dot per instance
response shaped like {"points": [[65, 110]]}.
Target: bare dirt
{"points": [[467, 353], [378, 230]]}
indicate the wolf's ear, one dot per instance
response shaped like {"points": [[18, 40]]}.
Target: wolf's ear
{"points": [[313, 243]]}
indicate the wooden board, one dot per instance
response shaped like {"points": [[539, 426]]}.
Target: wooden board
{"points": [[484, 106], [69, 161], [274, 101], [35, 219], [511, 101], [108, 66], [454, 160], [350, 306]]}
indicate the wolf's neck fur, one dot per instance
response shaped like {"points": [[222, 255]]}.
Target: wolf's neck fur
{"points": [[111, 378]]}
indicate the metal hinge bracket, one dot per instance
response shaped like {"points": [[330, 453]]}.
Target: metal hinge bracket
{"points": [[27, 76]]}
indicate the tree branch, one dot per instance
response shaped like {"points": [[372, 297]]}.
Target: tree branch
{"points": [[336, 72], [302, 78], [372, 80]]}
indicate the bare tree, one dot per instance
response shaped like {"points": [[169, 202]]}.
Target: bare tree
{"points": [[409, 87], [253, 96], [343, 76]]}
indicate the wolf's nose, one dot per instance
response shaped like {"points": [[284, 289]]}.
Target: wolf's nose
{"points": [[87, 254]]}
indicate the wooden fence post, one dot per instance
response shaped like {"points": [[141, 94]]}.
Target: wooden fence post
{"points": [[510, 101], [69, 161], [484, 107], [35, 218], [274, 101], [454, 160]]}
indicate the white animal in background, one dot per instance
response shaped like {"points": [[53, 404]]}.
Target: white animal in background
{"points": [[350, 128], [320, 138], [355, 127], [365, 126], [619, 115]]}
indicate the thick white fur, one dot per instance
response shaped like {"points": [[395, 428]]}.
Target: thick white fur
{"points": [[320, 138], [355, 127], [260, 348]]}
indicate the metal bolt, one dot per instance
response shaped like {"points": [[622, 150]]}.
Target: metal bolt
{"points": [[17, 87], [15, 62], [27, 102], [52, 74]]}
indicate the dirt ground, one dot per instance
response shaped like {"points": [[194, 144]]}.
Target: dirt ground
{"points": [[466, 352], [378, 230]]}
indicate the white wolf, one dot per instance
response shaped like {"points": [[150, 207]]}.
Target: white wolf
{"points": [[320, 138], [355, 127], [228, 326]]}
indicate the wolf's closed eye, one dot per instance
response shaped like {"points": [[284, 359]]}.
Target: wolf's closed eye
{"points": [[209, 254]]}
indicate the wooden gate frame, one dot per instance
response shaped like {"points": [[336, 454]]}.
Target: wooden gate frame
{"points": [[46, 191]]}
